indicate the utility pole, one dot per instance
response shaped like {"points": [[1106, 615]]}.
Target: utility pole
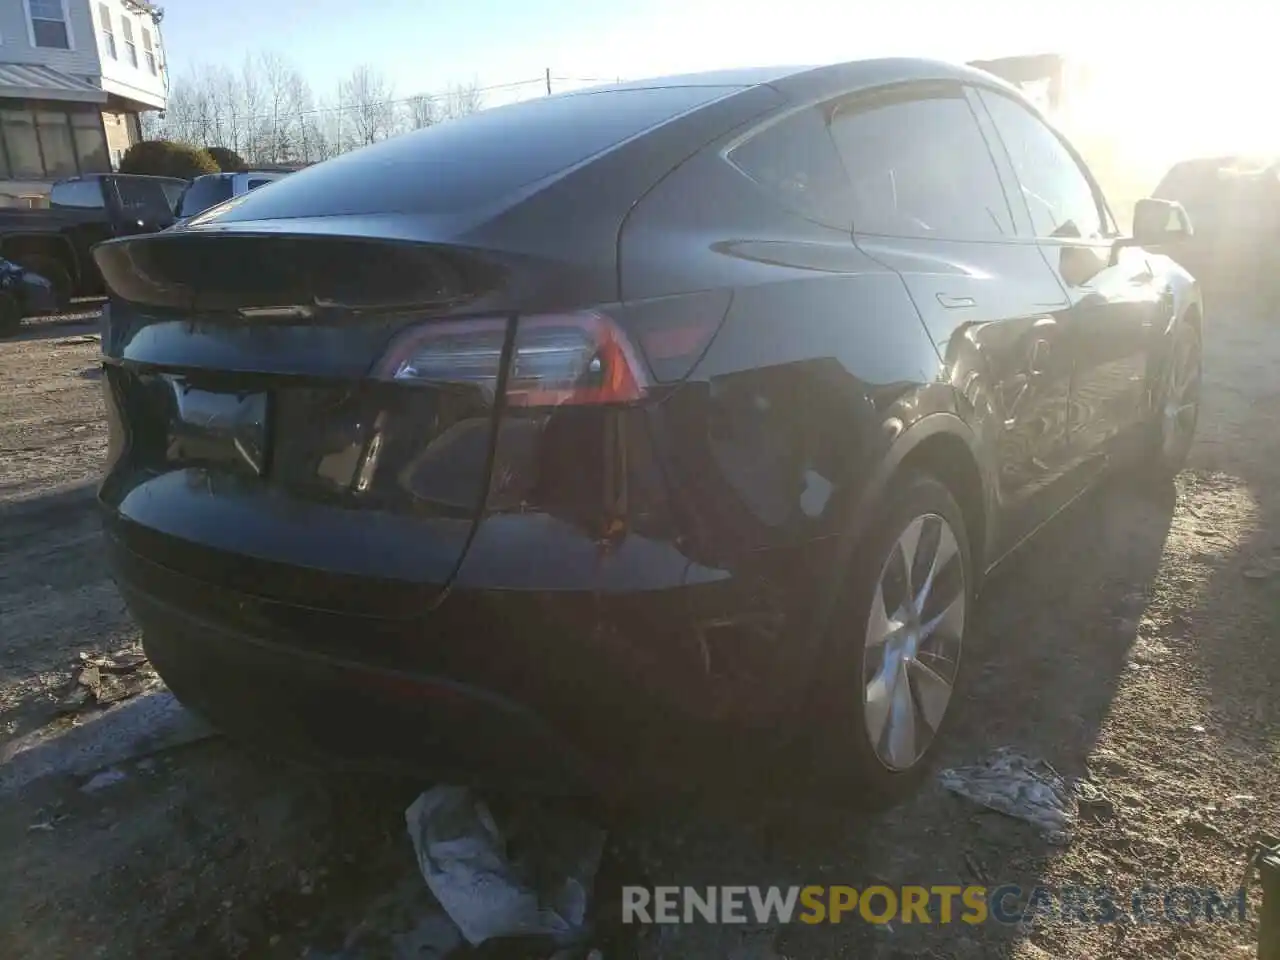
{"points": [[548, 81]]}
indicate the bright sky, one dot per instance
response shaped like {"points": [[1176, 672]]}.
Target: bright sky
{"points": [[1197, 70]]}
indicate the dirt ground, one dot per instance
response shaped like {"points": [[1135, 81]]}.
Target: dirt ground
{"points": [[1133, 644]]}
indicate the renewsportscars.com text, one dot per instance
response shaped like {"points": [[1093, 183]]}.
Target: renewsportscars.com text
{"points": [[1007, 904]]}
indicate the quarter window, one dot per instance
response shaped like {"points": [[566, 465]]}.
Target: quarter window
{"points": [[1058, 193], [49, 24], [919, 167], [795, 161]]}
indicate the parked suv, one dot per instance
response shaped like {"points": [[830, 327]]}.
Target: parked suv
{"points": [[213, 188], [619, 431]]}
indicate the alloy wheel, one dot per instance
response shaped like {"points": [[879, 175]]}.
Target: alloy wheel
{"points": [[914, 635], [1182, 398]]}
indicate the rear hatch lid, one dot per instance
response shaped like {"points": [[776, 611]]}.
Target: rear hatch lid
{"points": [[249, 445]]}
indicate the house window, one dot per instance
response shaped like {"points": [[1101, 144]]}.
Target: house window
{"points": [[55, 143], [130, 48], [52, 143], [108, 31], [149, 50], [19, 130], [49, 24], [90, 143]]}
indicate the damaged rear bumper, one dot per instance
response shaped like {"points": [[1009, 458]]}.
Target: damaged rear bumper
{"points": [[540, 685]]}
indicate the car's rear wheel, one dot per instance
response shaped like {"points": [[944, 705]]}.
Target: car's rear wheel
{"points": [[897, 645], [1173, 428], [10, 314], [57, 275]]}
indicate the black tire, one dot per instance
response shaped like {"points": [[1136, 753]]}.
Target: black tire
{"points": [[1170, 435], [58, 276], [846, 764], [10, 315]]}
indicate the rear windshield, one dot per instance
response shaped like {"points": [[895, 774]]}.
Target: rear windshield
{"points": [[203, 193], [460, 164]]}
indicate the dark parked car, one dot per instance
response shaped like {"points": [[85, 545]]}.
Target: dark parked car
{"points": [[1234, 202], [55, 241], [619, 430]]}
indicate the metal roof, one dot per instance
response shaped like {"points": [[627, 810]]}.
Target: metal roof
{"points": [[36, 82]]}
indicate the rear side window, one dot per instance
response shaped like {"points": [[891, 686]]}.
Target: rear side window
{"points": [[203, 193], [795, 161], [920, 167], [257, 182], [143, 198], [456, 166], [173, 191], [86, 194], [1057, 190]]}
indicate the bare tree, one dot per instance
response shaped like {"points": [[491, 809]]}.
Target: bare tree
{"points": [[462, 99], [278, 81], [251, 104], [328, 129], [231, 95], [153, 125], [421, 110], [266, 111], [178, 122], [369, 114], [308, 133]]}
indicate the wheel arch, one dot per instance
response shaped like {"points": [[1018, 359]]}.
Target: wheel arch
{"points": [[947, 457], [945, 447]]}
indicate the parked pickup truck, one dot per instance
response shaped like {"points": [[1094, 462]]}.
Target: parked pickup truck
{"points": [[55, 241]]}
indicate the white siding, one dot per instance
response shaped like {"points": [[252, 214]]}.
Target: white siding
{"points": [[15, 39], [120, 76], [89, 57]]}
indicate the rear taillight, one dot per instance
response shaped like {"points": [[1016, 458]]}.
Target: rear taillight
{"points": [[579, 358]]}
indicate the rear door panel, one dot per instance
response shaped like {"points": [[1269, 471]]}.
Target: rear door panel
{"points": [[931, 204], [1110, 324], [991, 310]]}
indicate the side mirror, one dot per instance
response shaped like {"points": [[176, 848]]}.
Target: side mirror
{"points": [[1159, 222]]}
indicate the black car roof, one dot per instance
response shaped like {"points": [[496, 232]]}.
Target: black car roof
{"points": [[467, 168], [854, 73]]}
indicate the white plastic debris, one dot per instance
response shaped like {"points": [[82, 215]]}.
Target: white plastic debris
{"points": [[487, 888], [1011, 783]]}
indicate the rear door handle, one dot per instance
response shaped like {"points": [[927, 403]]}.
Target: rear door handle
{"points": [[956, 303]]}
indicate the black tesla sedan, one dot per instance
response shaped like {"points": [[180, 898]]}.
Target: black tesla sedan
{"points": [[623, 429]]}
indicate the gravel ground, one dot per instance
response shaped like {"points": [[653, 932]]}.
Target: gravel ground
{"points": [[1132, 644]]}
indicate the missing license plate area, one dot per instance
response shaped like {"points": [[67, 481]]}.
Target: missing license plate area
{"points": [[212, 426]]}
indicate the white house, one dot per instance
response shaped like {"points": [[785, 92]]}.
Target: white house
{"points": [[74, 76]]}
